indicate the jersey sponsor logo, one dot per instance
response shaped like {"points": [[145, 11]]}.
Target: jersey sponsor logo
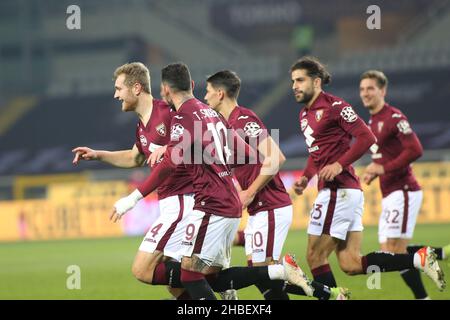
{"points": [[396, 115], [303, 124], [143, 140], [319, 114], [152, 147], [309, 139], [380, 126], [161, 129], [176, 132], [348, 114], [336, 103], [242, 117], [404, 127], [311, 150], [374, 149], [376, 156], [252, 129]]}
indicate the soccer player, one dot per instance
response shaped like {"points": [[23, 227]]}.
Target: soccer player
{"points": [[329, 124], [133, 89], [396, 148], [201, 142], [263, 192]]}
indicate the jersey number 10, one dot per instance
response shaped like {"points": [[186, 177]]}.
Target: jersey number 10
{"points": [[222, 151]]}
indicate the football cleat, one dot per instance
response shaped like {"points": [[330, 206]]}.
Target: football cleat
{"points": [[296, 276], [230, 294], [446, 252], [339, 293], [429, 266]]}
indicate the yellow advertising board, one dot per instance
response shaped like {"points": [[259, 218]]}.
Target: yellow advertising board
{"points": [[71, 210], [434, 179]]}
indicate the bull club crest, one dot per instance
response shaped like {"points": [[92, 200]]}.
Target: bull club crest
{"points": [[319, 114], [380, 126], [161, 129]]}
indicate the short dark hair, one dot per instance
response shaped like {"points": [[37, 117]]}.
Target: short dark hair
{"points": [[177, 76], [379, 76], [227, 80], [313, 67]]}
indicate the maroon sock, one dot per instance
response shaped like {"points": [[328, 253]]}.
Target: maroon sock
{"points": [[324, 275], [386, 262], [184, 296], [195, 283], [159, 275]]}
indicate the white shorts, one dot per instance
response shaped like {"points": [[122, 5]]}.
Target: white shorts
{"points": [[266, 232], [209, 237], [399, 214], [336, 212], [167, 232]]}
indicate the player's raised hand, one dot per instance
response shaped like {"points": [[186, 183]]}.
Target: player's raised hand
{"points": [[84, 153], [329, 172], [156, 156], [246, 198], [300, 185], [124, 205]]}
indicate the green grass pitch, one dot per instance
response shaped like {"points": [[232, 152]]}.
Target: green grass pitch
{"points": [[37, 270]]}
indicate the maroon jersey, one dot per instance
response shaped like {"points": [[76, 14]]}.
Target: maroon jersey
{"points": [[394, 137], [156, 134], [328, 126], [273, 195], [204, 137]]}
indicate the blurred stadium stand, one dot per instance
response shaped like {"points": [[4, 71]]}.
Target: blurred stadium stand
{"points": [[56, 90]]}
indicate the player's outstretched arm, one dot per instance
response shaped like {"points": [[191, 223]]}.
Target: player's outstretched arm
{"points": [[124, 158], [157, 175]]}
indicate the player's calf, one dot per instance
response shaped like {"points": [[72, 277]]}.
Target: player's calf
{"points": [[144, 265]]}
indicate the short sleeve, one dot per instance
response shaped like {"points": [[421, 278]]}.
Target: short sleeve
{"points": [[251, 128], [347, 118]]}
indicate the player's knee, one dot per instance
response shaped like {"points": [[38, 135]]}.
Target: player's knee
{"points": [[141, 274]]}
